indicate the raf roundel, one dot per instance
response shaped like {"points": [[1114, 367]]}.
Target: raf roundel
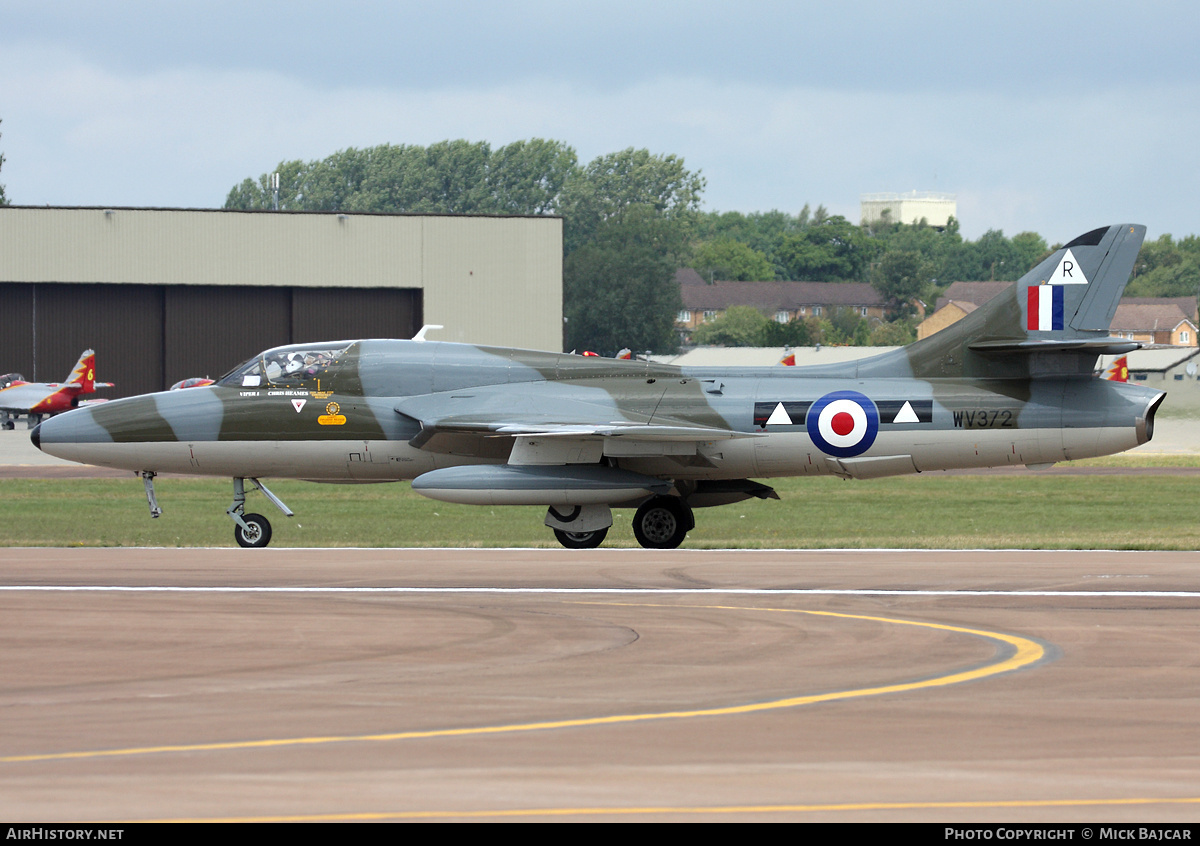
{"points": [[843, 424]]}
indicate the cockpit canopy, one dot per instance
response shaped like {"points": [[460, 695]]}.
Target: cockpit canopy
{"points": [[9, 378], [311, 368]]}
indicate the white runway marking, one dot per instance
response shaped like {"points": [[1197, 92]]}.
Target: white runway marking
{"points": [[1139, 594]]}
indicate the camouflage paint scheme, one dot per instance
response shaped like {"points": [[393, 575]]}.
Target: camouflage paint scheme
{"points": [[526, 427]]}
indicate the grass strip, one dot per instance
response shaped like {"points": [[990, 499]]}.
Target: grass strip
{"points": [[935, 511]]}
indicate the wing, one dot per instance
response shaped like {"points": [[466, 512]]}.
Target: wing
{"points": [[553, 437], [20, 399], [551, 423]]}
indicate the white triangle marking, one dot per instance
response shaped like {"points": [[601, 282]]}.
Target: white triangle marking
{"points": [[1068, 272], [779, 417], [298, 404], [906, 414]]}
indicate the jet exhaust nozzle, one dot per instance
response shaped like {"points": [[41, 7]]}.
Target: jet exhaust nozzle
{"points": [[1145, 423]]}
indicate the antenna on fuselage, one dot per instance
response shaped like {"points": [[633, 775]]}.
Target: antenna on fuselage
{"points": [[420, 336]]}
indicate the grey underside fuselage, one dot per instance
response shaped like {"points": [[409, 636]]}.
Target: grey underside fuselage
{"points": [[392, 410]]}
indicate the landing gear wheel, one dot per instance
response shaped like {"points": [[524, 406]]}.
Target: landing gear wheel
{"points": [[662, 523], [258, 535], [581, 540]]}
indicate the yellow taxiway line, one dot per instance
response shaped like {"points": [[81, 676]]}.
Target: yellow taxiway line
{"points": [[684, 810], [1022, 653]]}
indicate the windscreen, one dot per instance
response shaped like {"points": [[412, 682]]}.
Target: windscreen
{"points": [[307, 368]]}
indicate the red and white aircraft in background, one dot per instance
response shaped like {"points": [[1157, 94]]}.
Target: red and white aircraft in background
{"points": [[40, 399]]}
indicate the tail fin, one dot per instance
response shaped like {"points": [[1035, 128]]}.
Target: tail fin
{"points": [[1055, 319], [1112, 252], [84, 374], [1118, 371]]}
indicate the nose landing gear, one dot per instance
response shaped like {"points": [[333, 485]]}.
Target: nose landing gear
{"points": [[252, 531]]}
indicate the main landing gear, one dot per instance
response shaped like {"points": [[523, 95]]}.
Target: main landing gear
{"points": [[581, 540], [252, 530], [662, 522]]}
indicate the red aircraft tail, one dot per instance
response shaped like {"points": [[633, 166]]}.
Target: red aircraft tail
{"points": [[84, 374]]}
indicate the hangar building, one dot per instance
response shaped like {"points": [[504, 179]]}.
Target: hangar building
{"points": [[167, 294]]}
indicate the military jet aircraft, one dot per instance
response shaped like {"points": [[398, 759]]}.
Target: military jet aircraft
{"points": [[1012, 383], [42, 398]]}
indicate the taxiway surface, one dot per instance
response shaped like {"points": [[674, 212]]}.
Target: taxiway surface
{"points": [[394, 684]]}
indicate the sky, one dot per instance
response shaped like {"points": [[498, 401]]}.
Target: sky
{"points": [[1047, 116]]}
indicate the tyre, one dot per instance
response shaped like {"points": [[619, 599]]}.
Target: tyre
{"points": [[581, 540], [662, 523], [258, 533]]}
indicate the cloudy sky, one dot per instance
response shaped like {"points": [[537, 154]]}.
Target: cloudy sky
{"points": [[1043, 116]]}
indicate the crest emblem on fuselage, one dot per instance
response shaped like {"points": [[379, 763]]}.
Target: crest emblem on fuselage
{"points": [[333, 416]]}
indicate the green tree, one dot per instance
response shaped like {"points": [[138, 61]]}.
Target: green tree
{"points": [[449, 177], [602, 205], [727, 259], [846, 327], [902, 276], [615, 182], [991, 257], [761, 231], [794, 333], [738, 326], [336, 183], [619, 287], [253, 195], [528, 177], [625, 233], [833, 250], [1030, 248], [1177, 280], [936, 246], [1166, 268], [897, 333]]}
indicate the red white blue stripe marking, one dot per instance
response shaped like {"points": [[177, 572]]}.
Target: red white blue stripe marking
{"points": [[1044, 308]]}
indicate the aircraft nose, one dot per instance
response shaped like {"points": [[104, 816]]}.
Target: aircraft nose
{"points": [[67, 431]]}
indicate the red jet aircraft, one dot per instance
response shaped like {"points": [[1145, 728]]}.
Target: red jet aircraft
{"points": [[38, 399]]}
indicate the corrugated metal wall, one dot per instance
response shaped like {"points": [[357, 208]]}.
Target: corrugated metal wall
{"points": [[147, 337], [488, 279], [326, 314], [16, 329], [209, 329]]}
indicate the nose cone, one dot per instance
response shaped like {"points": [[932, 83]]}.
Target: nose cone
{"points": [[62, 434]]}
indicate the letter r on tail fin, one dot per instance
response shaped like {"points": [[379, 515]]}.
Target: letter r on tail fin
{"points": [[1078, 288], [1103, 292]]}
